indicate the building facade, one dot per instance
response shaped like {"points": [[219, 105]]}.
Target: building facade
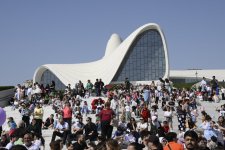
{"points": [[142, 57]]}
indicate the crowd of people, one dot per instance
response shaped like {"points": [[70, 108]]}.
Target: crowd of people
{"points": [[127, 117]]}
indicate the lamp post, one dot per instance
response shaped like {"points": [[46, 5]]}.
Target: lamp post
{"points": [[196, 74]]}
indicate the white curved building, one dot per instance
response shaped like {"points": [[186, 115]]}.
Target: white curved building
{"points": [[142, 57], [191, 76]]}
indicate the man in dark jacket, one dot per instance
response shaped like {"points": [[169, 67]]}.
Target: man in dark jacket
{"points": [[90, 130]]}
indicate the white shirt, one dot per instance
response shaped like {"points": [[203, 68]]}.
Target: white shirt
{"points": [[168, 114], [37, 143], [78, 125], [114, 104], [9, 145], [60, 126], [142, 125], [223, 90], [127, 108], [29, 91], [133, 103], [32, 147], [203, 83]]}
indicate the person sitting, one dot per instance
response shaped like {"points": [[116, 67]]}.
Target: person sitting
{"points": [[90, 130], [49, 122], [61, 130], [56, 145], [80, 144], [13, 138], [28, 142], [142, 126], [129, 137], [33, 128], [122, 123], [77, 128], [85, 110], [4, 140], [118, 135]]}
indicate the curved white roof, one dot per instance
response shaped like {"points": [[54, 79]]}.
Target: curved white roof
{"points": [[112, 44], [104, 68]]}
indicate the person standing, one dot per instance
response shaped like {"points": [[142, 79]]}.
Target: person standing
{"points": [[181, 116], [203, 84], [38, 116], [80, 88], [127, 85], [106, 116], [145, 113], [168, 114], [97, 87], [89, 87], [114, 106], [214, 84], [223, 92], [52, 86], [25, 112], [101, 85], [146, 95], [67, 114]]}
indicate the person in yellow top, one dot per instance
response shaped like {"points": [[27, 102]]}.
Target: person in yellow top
{"points": [[38, 116]]}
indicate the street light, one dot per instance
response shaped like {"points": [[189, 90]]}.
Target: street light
{"points": [[196, 74]]}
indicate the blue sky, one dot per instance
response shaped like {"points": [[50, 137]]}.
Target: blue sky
{"points": [[33, 33]]}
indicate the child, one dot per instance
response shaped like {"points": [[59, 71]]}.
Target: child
{"points": [[84, 109], [12, 125]]}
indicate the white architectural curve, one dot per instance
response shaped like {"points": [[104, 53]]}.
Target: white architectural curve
{"points": [[105, 68]]}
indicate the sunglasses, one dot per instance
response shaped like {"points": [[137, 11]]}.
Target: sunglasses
{"points": [[87, 120]]}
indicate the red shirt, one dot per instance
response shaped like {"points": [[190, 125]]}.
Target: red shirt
{"points": [[166, 129], [106, 114], [67, 112], [145, 114]]}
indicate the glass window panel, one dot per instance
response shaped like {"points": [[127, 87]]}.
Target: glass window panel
{"points": [[145, 59], [48, 77]]}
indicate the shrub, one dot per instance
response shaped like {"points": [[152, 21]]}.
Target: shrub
{"points": [[2, 88]]}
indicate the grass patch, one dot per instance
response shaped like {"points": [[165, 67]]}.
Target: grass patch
{"points": [[2, 88], [183, 85]]}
